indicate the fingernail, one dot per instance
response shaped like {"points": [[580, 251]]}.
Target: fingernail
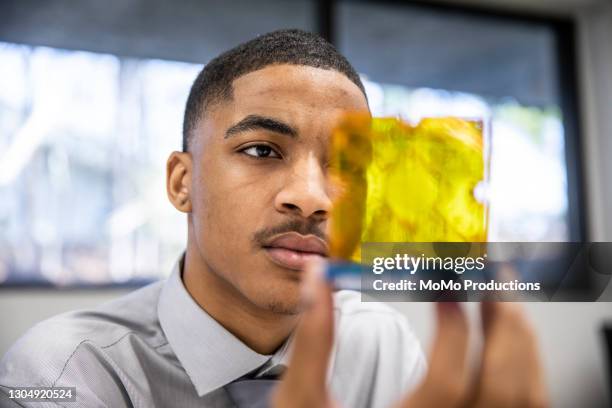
{"points": [[313, 275], [448, 307]]}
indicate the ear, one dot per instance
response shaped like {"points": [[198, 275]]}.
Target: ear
{"points": [[178, 180]]}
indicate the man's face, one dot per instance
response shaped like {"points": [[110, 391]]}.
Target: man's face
{"points": [[260, 195]]}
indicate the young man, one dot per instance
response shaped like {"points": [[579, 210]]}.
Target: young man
{"points": [[218, 333]]}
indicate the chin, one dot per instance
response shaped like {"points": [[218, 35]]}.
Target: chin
{"points": [[281, 297], [283, 308]]}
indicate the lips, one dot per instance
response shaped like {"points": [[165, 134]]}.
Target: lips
{"points": [[292, 250]]}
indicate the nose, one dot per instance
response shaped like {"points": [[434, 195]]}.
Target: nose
{"points": [[305, 191]]}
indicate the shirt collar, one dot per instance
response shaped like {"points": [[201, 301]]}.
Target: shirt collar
{"points": [[211, 355]]}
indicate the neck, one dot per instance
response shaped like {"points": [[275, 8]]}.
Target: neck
{"points": [[262, 330]]}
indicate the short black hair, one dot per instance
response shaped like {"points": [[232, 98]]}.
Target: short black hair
{"points": [[295, 47]]}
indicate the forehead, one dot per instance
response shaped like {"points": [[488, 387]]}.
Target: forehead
{"points": [[297, 87]]}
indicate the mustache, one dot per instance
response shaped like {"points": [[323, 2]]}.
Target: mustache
{"points": [[261, 237]]}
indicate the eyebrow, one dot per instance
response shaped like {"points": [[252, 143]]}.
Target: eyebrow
{"points": [[255, 122]]}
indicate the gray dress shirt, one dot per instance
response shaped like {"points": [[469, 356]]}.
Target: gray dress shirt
{"points": [[156, 347]]}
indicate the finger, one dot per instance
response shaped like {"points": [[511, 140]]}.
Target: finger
{"points": [[304, 384], [505, 273], [314, 335], [447, 380], [511, 374]]}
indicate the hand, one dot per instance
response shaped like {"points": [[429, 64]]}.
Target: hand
{"points": [[304, 384], [509, 375]]}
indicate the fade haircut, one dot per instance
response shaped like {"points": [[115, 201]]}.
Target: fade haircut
{"points": [[295, 47]]}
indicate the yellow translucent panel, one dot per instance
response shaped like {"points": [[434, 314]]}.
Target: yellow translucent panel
{"points": [[394, 182]]}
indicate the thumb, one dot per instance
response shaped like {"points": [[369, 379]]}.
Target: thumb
{"points": [[304, 383]]}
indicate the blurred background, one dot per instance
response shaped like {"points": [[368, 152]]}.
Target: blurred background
{"points": [[91, 102]]}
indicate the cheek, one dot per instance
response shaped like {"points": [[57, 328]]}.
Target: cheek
{"points": [[231, 200]]}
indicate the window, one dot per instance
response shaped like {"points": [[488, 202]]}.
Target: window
{"points": [[84, 135], [431, 61], [85, 138]]}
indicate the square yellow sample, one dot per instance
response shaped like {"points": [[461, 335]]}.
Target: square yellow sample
{"points": [[394, 182]]}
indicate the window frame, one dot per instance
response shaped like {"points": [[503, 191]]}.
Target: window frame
{"points": [[564, 30]]}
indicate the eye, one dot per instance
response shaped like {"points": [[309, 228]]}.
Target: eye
{"points": [[261, 151]]}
